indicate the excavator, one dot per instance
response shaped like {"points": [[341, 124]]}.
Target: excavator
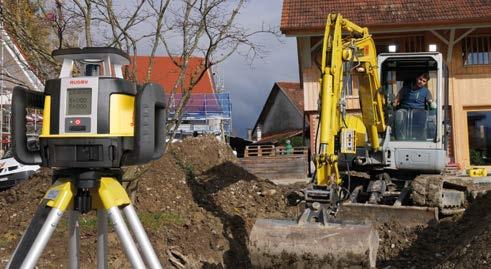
{"points": [[404, 152]]}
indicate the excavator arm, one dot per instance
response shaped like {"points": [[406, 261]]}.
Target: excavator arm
{"points": [[345, 44], [316, 239]]}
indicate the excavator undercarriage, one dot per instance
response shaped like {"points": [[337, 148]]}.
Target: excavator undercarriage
{"points": [[345, 234]]}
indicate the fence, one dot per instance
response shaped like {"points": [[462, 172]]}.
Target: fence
{"points": [[272, 151]]}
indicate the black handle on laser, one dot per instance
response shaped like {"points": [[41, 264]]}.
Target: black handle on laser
{"points": [[150, 118], [23, 98]]}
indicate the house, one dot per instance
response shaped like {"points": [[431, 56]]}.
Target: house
{"points": [[14, 71], [282, 115], [281, 118], [165, 73], [207, 110], [460, 30]]}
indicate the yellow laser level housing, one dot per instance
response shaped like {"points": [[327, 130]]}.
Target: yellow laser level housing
{"points": [[97, 120]]}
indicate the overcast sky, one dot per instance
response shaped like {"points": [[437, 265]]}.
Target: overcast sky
{"points": [[250, 84]]}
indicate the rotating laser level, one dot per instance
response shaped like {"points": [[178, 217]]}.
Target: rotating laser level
{"points": [[92, 126]]}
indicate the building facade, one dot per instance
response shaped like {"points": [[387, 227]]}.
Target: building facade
{"points": [[460, 30], [208, 110]]}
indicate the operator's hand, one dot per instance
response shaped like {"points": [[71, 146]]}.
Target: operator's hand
{"points": [[432, 105]]}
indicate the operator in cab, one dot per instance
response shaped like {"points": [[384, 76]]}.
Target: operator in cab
{"points": [[415, 96], [413, 101]]}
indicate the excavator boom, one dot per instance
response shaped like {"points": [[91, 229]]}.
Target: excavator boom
{"points": [[317, 239], [356, 52]]}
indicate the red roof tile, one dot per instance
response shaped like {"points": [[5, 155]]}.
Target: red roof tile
{"points": [[310, 15], [165, 73], [278, 136], [294, 91]]}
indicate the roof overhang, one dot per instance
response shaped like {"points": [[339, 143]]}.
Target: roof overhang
{"points": [[389, 28]]}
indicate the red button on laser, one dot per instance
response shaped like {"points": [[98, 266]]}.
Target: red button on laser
{"points": [[77, 122]]}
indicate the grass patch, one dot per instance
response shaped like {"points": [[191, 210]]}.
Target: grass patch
{"points": [[190, 171], [156, 220], [86, 223], [7, 239]]}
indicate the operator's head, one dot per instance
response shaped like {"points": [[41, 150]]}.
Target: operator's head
{"points": [[422, 79]]}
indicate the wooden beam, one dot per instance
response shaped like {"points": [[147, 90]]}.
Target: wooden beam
{"points": [[443, 39], [304, 52], [451, 43], [464, 34], [374, 30], [318, 44]]}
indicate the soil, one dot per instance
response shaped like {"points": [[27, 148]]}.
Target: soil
{"points": [[459, 242], [198, 207]]}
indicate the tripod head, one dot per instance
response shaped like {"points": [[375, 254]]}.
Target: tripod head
{"points": [[94, 121]]}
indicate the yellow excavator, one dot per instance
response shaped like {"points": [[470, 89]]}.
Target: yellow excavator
{"points": [[403, 156]]}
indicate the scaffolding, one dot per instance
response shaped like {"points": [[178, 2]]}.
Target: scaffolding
{"points": [[14, 71], [204, 113]]}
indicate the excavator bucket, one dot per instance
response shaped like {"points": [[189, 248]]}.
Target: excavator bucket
{"points": [[289, 244]]}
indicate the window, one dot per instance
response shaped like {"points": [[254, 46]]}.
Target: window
{"points": [[475, 50], [479, 130]]}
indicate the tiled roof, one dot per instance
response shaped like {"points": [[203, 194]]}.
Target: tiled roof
{"points": [[277, 137], [310, 15], [294, 91], [165, 73]]}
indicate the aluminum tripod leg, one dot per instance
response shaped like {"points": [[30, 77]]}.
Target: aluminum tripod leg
{"points": [[42, 226], [101, 239], [145, 245], [127, 242], [113, 196], [74, 240]]}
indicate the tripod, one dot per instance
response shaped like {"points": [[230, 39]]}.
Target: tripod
{"points": [[80, 191]]}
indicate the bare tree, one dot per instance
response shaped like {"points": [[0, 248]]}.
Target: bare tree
{"points": [[182, 28], [28, 30], [159, 8], [84, 12], [205, 28]]}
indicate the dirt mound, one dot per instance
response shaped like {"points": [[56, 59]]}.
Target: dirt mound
{"points": [[459, 242], [196, 204], [215, 201]]}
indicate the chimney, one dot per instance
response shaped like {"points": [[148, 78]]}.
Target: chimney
{"points": [[249, 134], [258, 133]]}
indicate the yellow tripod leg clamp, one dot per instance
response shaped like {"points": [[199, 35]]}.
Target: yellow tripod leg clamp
{"points": [[60, 195], [111, 193]]}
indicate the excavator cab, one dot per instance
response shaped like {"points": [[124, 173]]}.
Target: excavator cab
{"points": [[399, 73], [416, 136]]}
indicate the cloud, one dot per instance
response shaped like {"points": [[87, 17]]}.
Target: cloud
{"points": [[250, 83]]}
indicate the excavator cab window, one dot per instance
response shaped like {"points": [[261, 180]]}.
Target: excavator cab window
{"points": [[410, 124]]}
